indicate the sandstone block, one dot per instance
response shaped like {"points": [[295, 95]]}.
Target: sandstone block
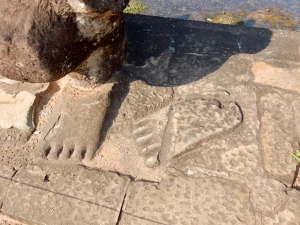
{"points": [[44, 40]]}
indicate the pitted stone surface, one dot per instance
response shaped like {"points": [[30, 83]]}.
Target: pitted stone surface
{"points": [[267, 195], [72, 195], [142, 118], [182, 200], [279, 132], [289, 214], [13, 137], [6, 174], [163, 129], [143, 100], [217, 155], [239, 150], [197, 121]]}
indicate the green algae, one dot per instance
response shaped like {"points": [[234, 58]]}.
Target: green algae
{"points": [[271, 18], [274, 18], [135, 7], [227, 18]]}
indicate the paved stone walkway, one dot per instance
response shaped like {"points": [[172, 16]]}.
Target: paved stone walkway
{"points": [[206, 137]]}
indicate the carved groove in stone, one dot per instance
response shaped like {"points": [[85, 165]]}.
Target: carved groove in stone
{"points": [[192, 123], [202, 120]]}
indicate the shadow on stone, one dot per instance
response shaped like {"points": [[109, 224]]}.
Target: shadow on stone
{"points": [[197, 48]]}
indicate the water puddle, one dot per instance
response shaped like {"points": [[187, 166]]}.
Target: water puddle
{"points": [[275, 14]]}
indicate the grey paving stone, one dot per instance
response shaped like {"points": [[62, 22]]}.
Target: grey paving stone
{"points": [[183, 200], [72, 195], [6, 173]]}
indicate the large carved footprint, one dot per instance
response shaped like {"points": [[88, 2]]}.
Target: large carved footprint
{"points": [[179, 128]]}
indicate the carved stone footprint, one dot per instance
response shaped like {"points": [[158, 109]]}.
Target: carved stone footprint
{"points": [[164, 129], [181, 127], [74, 129]]}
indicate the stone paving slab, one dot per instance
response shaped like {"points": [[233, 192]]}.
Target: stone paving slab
{"points": [[6, 174], [73, 195], [181, 200]]}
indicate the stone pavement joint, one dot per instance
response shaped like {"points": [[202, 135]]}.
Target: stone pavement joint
{"points": [[6, 174], [73, 195]]}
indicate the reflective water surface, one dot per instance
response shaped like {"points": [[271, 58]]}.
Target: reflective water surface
{"points": [[278, 14]]}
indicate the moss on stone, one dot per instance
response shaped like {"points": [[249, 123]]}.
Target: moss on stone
{"points": [[135, 7], [227, 18], [275, 17]]}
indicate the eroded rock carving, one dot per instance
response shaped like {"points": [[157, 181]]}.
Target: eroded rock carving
{"points": [[183, 126], [42, 41]]}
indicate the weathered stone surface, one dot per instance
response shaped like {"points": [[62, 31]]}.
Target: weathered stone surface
{"points": [[13, 87], [279, 132], [267, 195], [6, 173], [5, 220], [200, 120], [16, 110], [163, 129], [266, 74], [142, 117], [73, 195], [42, 40], [289, 214], [236, 151], [282, 51], [188, 201], [77, 115]]}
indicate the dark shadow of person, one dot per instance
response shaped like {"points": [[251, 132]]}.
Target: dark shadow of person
{"points": [[185, 51]]}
